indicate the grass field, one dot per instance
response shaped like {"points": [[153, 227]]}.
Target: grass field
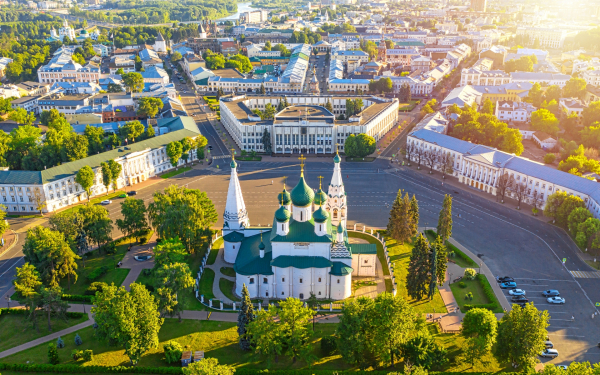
{"points": [[214, 251], [175, 172], [228, 271], [407, 107], [206, 284], [386, 272], [471, 286], [226, 287], [112, 196], [400, 257], [217, 339], [94, 261], [16, 329]]}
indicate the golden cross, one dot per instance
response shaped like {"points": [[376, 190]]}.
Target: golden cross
{"points": [[320, 180], [232, 152], [337, 146], [284, 178], [302, 158]]}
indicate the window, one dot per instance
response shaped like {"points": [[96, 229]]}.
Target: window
{"points": [[266, 294], [338, 281], [300, 281], [366, 261], [301, 295], [319, 279], [282, 293], [283, 279], [252, 280], [265, 280]]}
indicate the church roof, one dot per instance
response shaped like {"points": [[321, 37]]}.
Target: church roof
{"points": [[340, 269], [320, 215], [336, 158], [320, 197], [282, 214], [363, 248], [159, 37], [302, 232], [302, 262], [234, 237], [302, 195], [249, 262], [284, 197]]}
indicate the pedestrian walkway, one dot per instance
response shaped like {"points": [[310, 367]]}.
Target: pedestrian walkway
{"points": [[216, 267], [585, 274], [135, 266]]}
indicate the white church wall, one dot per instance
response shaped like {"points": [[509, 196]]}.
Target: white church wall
{"points": [[302, 213], [282, 282], [231, 251], [341, 287], [251, 283], [363, 264]]}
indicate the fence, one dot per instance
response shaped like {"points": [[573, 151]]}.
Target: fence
{"points": [[390, 266]]}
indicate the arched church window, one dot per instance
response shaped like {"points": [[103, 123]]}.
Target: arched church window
{"points": [[338, 281], [252, 280], [265, 281], [320, 227], [335, 213], [300, 215], [301, 295], [266, 294], [319, 279]]}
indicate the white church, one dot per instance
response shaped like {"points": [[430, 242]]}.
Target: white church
{"points": [[305, 251], [66, 30]]}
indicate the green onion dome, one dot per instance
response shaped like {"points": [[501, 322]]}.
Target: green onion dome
{"points": [[284, 197], [261, 246], [336, 158], [233, 164], [282, 214], [320, 215], [320, 197], [302, 195], [340, 228]]}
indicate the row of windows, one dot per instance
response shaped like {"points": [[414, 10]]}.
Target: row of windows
{"points": [[266, 281]]}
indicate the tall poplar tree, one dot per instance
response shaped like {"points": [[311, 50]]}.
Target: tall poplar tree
{"points": [[245, 316], [433, 273], [413, 213], [418, 269], [399, 223], [441, 258], [444, 228]]}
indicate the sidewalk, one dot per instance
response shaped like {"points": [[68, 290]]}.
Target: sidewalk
{"points": [[216, 267]]}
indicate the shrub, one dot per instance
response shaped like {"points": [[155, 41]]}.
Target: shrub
{"points": [[88, 354], [462, 284], [173, 351], [76, 354], [549, 158], [53, 354], [97, 273], [469, 296], [110, 248], [76, 298], [328, 345], [144, 236], [470, 273], [97, 286], [60, 343], [78, 340]]}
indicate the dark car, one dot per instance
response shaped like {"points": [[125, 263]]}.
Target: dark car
{"points": [[130, 193], [551, 293], [504, 279], [522, 304], [519, 299]]}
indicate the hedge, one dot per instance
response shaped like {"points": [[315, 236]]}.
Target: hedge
{"points": [[97, 273], [76, 298], [489, 293], [13, 311], [453, 248]]}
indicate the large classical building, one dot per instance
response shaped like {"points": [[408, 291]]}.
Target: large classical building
{"points": [[62, 68], [481, 167], [24, 191], [305, 126], [305, 252]]}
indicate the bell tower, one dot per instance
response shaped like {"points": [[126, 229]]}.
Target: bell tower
{"points": [[382, 51]]}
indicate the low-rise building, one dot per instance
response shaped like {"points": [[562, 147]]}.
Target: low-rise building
{"points": [[571, 105], [62, 68], [513, 111], [544, 79], [29, 88]]}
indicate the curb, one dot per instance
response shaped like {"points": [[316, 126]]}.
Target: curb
{"points": [[12, 244]]}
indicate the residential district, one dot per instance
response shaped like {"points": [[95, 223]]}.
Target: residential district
{"points": [[219, 187]]}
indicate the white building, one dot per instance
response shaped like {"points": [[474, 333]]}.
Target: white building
{"points": [[305, 252], [256, 16], [160, 45], [481, 167], [514, 111], [548, 37], [22, 191], [62, 68]]}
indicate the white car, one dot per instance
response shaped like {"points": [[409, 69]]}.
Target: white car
{"points": [[516, 292], [556, 300], [106, 202], [549, 353], [563, 367]]}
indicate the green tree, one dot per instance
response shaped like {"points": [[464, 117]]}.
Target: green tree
{"points": [[433, 263], [53, 354], [174, 279], [266, 141], [354, 333], [85, 178], [365, 145], [545, 121], [174, 152], [114, 88], [95, 137], [295, 319], [96, 223], [245, 317], [48, 117], [27, 283], [349, 108], [399, 222], [133, 81], [169, 251], [134, 220], [266, 334], [132, 130], [576, 218], [575, 88], [208, 366], [591, 114], [553, 92], [328, 106], [150, 131], [129, 319], [536, 95], [417, 279], [422, 351], [441, 260], [444, 227], [173, 351], [587, 231], [350, 146], [521, 335], [488, 107], [106, 175], [184, 213], [570, 203], [48, 251], [269, 111], [413, 212], [176, 56], [553, 203], [267, 46], [149, 107], [4, 224], [21, 116], [115, 171], [480, 328], [549, 158]]}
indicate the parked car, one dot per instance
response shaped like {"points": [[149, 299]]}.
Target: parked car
{"points": [[549, 353], [123, 195], [516, 292], [556, 300], [549, 344], [133, 192], [106, 202], [551, 293], [520, 299], [521, 304], [508, 285], [503, 279], [563, 367]]}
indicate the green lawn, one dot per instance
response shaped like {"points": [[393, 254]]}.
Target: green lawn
{"points": [[479, 297], [112, 196], [380, 255], [214, 251], [206, 284], [228, 271], [217, 339], [226, 287], [94, 261], [17, 329], [407, 107], [175, 172], [400, 257]]}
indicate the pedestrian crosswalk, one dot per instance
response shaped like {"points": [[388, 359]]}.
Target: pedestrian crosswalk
{"points": [[586, 274]]}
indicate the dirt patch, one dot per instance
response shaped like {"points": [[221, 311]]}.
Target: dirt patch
{"points": [[356, 240]]}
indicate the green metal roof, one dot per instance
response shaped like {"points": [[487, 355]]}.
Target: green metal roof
{"points": [[234, 237], [179, 128], [320, 197], [363, 248], [282, 214], [302, 262], [249, 262], [336, 158], [302, 195], [302, 232], [320, 215], [340, 269], [284, 197]]}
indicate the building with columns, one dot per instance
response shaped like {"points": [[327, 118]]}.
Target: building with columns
{"points": [[481, 167], [305, 251]]}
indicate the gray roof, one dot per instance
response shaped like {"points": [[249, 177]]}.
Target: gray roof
{"points": [[180, 127]]}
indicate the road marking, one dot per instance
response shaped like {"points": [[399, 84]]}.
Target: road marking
{"points": [[532, 284], [586, 274], [553, 280], [560, 334]]}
